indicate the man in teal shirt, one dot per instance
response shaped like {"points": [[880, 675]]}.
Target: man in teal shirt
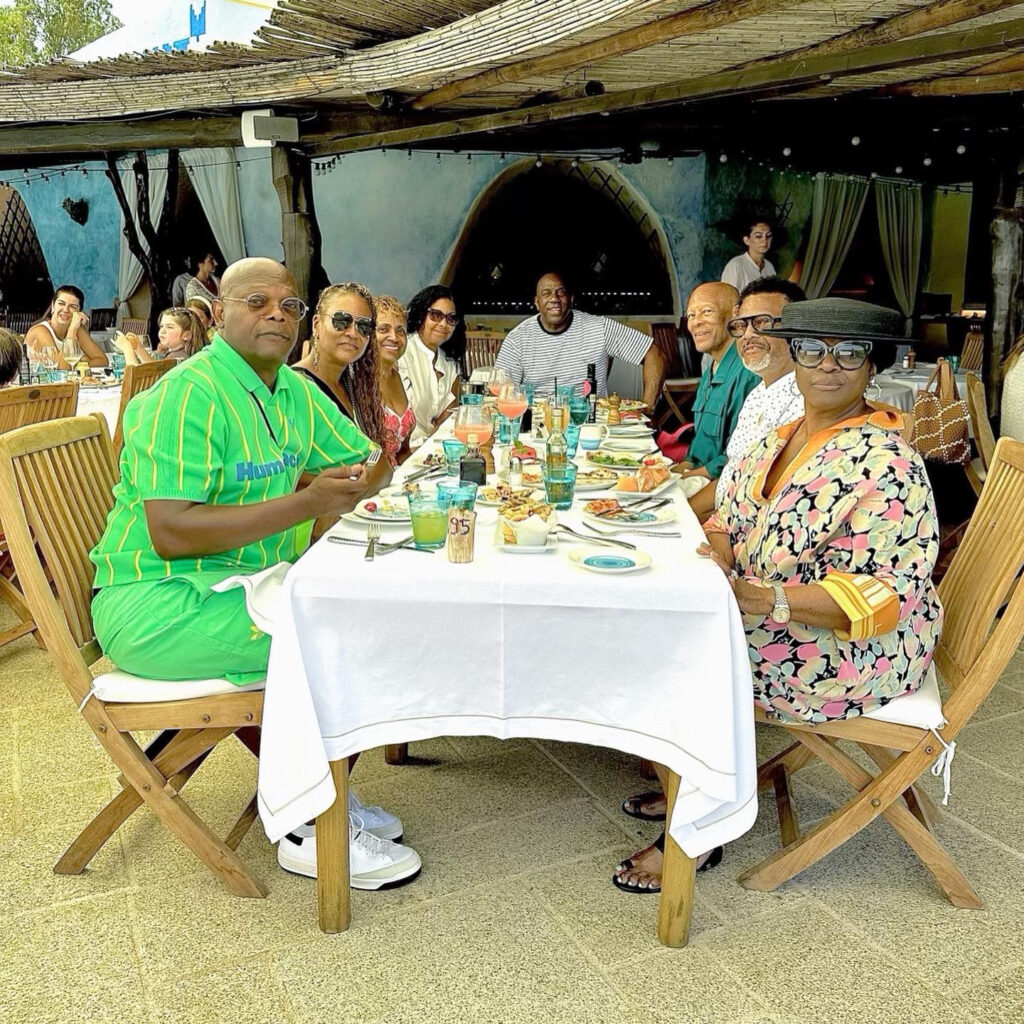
{"points": [[725, 383]]}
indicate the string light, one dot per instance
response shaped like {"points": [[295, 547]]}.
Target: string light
{"points": [[961, 149]]}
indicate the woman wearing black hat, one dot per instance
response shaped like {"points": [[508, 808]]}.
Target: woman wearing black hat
{"points": [[828, 535]]}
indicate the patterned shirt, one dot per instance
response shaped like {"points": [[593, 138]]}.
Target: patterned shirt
{"points": [[853, 513], [535, 356], [741, 270], [765, 407], [211, 431], [716, 408]]}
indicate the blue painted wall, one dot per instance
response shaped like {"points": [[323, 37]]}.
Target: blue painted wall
{"points": [[261, 210], [84, 255]]}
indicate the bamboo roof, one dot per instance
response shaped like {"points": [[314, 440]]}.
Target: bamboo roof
{"points": [[471, 57]]}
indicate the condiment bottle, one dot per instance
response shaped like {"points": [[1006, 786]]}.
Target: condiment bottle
{"points": [[590, 392], [614, 415], [515, 472], [557, 451], [472, 468]]}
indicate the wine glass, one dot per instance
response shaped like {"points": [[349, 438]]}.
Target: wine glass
{"points": [[71, 351], [512, 401], [497, 379], [475, 421]]}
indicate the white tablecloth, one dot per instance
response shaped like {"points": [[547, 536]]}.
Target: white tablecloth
{"points": [[412, 646], [895, 393], [104, 400]]}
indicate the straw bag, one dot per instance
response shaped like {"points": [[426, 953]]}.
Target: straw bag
{"points": [[941, 430]]}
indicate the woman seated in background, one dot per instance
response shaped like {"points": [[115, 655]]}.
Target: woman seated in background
{"points": [[399, 419], [343, 363], [181, 335], [828, 535], [432, 375], [10, 356], [62, 336], [202, 308]]}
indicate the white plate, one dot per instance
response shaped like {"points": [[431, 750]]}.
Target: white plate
{"points": [[630, 430], [659, 517], [400, 515], [637, 495], [527, 492], [617, 466], [603, 560], [640, 445], [396, 494], [529, 549], [585, 486], [353, 520], [690, 485]]}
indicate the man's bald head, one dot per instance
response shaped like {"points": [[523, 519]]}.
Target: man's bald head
{"points": [[242, 275], [708, 310]]}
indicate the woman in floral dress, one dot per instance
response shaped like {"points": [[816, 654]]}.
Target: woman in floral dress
{"points": [[828, 535]]}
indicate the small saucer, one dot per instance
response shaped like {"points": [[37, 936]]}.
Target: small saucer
{"points": [[605, 561]]}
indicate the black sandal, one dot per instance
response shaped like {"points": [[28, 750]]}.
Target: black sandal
{"points": [[627, 865], [633, 805]]}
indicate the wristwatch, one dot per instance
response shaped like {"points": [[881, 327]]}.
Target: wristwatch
{"points": [[780, 613]]}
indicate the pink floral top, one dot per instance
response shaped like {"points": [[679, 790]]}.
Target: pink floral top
{"points": [[396, 430], [854, 514]]}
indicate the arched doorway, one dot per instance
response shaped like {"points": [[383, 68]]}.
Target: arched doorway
{"points": [[582, 218], [25, 285]]}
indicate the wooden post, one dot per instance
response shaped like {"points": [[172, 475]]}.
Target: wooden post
{"points": [[332, 868], [300, 234], [678, 873], [1006, 297]]}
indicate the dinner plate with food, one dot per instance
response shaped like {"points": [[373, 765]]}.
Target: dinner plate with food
{"points": [[637, 445], [647, 480], [609, 510], [383, 510], [494, 497], [397, 493], [620, 430], [525, 525], [595, 478], [624, 461], [625, 405]]}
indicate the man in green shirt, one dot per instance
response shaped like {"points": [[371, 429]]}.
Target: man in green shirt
{"points": [[212, 456], [725, 383]]}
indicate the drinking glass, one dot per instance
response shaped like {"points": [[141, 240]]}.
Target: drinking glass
{"points": [[71, 352], [565, 393], [560, 485], [498, 379], [473, 420], [429, 515], [512, 401], [461, 495], [509, 430], [453, 451], [579, 410], [471, 399], [556, 415], [572, 439]]}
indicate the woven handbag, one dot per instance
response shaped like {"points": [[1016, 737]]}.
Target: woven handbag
{"points": [[941, 430]]}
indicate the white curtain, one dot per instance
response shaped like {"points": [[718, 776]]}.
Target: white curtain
{"points": [[214, 176], [129, 269]]}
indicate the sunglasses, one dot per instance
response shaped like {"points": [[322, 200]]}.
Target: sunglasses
{"points": [[760, 322], [811, 352], [437, 315], [293, 308], [342, 321]]}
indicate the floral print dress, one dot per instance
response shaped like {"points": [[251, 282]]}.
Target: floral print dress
{"points": [[854, 514]]}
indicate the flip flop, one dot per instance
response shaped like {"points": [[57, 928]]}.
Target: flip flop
{"points": [[628, 865], [634, 803]]}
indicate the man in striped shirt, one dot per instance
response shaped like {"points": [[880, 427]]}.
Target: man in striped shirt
{"points": [[212, 455], [560, 341]]}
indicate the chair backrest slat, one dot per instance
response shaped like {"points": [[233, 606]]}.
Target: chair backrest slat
{"points": [[482, 349], [56, 489], [986, 567], [977, 406], [136, 379], [34, 403]]}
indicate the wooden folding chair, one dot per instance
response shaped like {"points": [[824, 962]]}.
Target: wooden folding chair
{"points": [[984, 623], [482, 349], [56, 481], [20, 406], [136, 379], [678, 392], [973, 354], [984, 439]]}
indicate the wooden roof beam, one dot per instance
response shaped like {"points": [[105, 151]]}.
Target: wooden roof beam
{"points": [[961, 85], [771, 76], [699, 19], [938, 15]]}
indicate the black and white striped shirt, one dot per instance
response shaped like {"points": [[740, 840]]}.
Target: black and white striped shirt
{"points": [[535, 356]]}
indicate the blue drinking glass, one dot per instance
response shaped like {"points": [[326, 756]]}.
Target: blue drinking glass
{"points": [[572, 439]]}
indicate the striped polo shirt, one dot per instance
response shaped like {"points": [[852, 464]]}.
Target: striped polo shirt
{"points": [[535, 356], [211, 431]]}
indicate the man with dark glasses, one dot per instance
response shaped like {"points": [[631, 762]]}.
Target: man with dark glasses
{"points": [[561, 341], [772, 402]]}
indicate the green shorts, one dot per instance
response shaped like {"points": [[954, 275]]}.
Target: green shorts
{"points": [[179, 629]]}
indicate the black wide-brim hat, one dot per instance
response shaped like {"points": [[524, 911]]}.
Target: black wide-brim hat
{"points": [[844, 319]]}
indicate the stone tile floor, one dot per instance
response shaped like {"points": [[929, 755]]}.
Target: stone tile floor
{"points": [[514, 918]]}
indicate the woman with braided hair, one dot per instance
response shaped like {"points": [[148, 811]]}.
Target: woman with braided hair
{"points": [[343, 362]]}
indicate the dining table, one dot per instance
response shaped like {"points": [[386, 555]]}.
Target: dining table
{"points": [[411, 645], [102, 398]]}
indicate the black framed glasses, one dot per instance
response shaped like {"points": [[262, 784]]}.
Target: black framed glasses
{"points": [[260, 304], [811, 352], [760, 322], [437, 315], [342, 321]]}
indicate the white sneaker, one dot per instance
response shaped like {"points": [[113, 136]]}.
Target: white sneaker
{"points": [[373, 863], [378, 822]]}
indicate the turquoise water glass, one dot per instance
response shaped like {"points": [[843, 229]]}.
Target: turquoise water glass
{"points": [[429, 515], [508, 430], [472, 399], [572, 439], [461, 495], [560, 485], [453, 451], [579, 410], [565, 394]]}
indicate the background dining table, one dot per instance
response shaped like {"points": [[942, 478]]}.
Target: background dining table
{"points": [[411, 646]]}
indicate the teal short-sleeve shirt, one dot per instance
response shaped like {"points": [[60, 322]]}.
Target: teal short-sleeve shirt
{"points": [[211, 431]]}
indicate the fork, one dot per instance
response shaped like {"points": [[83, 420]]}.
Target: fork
{"points": [[372, 536], [562, 528], [637, 530], [372, 459]]}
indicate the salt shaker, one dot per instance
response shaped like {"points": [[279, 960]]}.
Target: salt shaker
{"points": [[515, 472]]}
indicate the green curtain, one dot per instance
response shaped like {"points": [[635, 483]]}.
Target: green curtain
{"points": [[901, 229], [835, 214]]}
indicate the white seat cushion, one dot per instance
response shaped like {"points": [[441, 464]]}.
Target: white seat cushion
{"points": [[124, 688], [921, 709]]}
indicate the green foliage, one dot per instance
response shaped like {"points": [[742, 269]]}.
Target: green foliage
{"points": [[41, 30]]}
